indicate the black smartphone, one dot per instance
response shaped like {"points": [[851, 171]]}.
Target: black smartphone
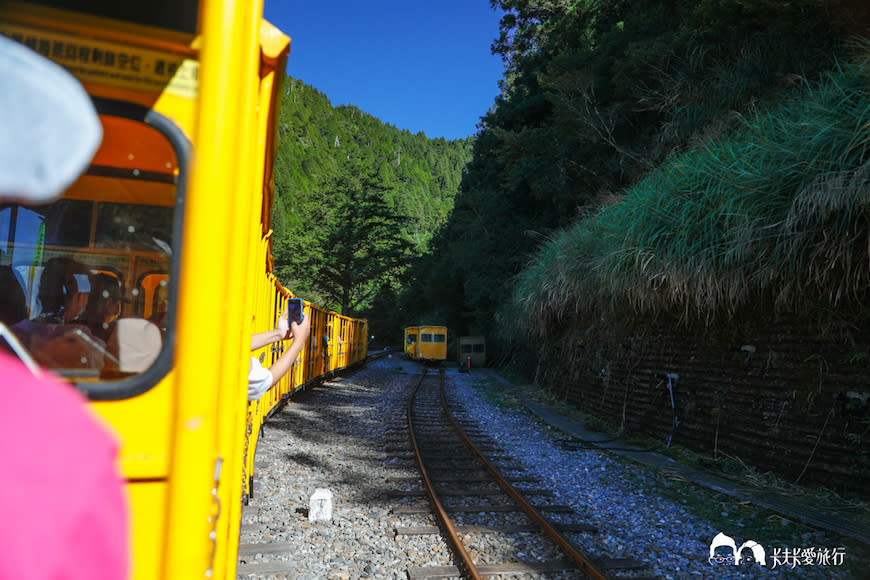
{"points": [[294, 310]]}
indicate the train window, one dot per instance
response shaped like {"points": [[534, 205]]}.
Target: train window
{"points": [[67, 222], [425, 337], [135, 227], [412, 338], [465, 348], [95, 267], [63, 223], [478, 348], [440, 338]]}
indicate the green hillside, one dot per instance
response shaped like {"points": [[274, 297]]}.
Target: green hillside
{"points": [[356, 199]]}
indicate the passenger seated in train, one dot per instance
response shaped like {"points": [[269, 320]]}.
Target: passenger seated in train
{"points": [[104, 305], [64, 287], [55, 337], [132, 343], [78, 325]]}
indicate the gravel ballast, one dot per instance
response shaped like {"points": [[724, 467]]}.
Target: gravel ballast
{"points": [[342, 434]]}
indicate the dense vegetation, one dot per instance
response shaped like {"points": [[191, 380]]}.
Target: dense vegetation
{"points": [[355, 200], [777, 213], [649, 156]]}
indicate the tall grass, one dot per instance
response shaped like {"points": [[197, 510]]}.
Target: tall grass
{"points": [[780, 209]]}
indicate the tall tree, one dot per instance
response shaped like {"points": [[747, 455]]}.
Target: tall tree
{"points": [[354, 237]]}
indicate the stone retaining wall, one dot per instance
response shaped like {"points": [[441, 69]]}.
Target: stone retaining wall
{"points": [[776, 396]]}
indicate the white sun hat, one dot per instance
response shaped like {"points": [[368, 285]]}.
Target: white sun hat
{"points": [[49, 129]]}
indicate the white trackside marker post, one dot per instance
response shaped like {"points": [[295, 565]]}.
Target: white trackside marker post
{"points": [[320, 506]]}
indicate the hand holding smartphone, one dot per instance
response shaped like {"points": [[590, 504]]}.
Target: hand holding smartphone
{"points": [[294, 310]]}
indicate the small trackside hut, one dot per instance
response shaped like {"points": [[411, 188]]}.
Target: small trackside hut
{"points": [[471, 351]]}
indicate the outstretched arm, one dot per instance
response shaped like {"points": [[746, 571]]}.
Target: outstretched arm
{"points": [[300, 334], [262, 339]]}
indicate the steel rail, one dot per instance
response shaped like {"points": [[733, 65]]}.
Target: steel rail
{"points": [[465, 561], [581, 560]]}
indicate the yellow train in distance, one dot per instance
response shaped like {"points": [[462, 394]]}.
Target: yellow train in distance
{"points": [[174, 215], [426, 343]]}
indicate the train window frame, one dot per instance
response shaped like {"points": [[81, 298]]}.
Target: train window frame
{"points": [[140, 383], [426, 337]]}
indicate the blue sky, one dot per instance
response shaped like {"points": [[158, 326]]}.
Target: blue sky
{"points": [[418, 65]]}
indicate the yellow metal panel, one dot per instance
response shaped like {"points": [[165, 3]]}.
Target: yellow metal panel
{"points": [[211, 294], [250, 259], [148, 511], [145, 423]]}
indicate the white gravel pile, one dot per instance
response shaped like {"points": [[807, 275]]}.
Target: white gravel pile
{"points": [[337, 437]]}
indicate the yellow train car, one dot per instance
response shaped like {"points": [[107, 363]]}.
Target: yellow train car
{"points": [[174, 212], [431, 345], [410, 342]]}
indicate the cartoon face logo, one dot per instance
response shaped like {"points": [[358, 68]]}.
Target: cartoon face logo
{"points": [[722, 550], [751, 551]]}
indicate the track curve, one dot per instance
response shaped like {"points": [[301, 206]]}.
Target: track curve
{"points": [[433, 429]]}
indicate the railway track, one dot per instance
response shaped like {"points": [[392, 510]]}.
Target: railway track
{"points": [[490, 526]]}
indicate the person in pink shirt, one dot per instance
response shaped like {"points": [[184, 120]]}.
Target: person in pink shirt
{"points": [[64, 512], [63, 509]]}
